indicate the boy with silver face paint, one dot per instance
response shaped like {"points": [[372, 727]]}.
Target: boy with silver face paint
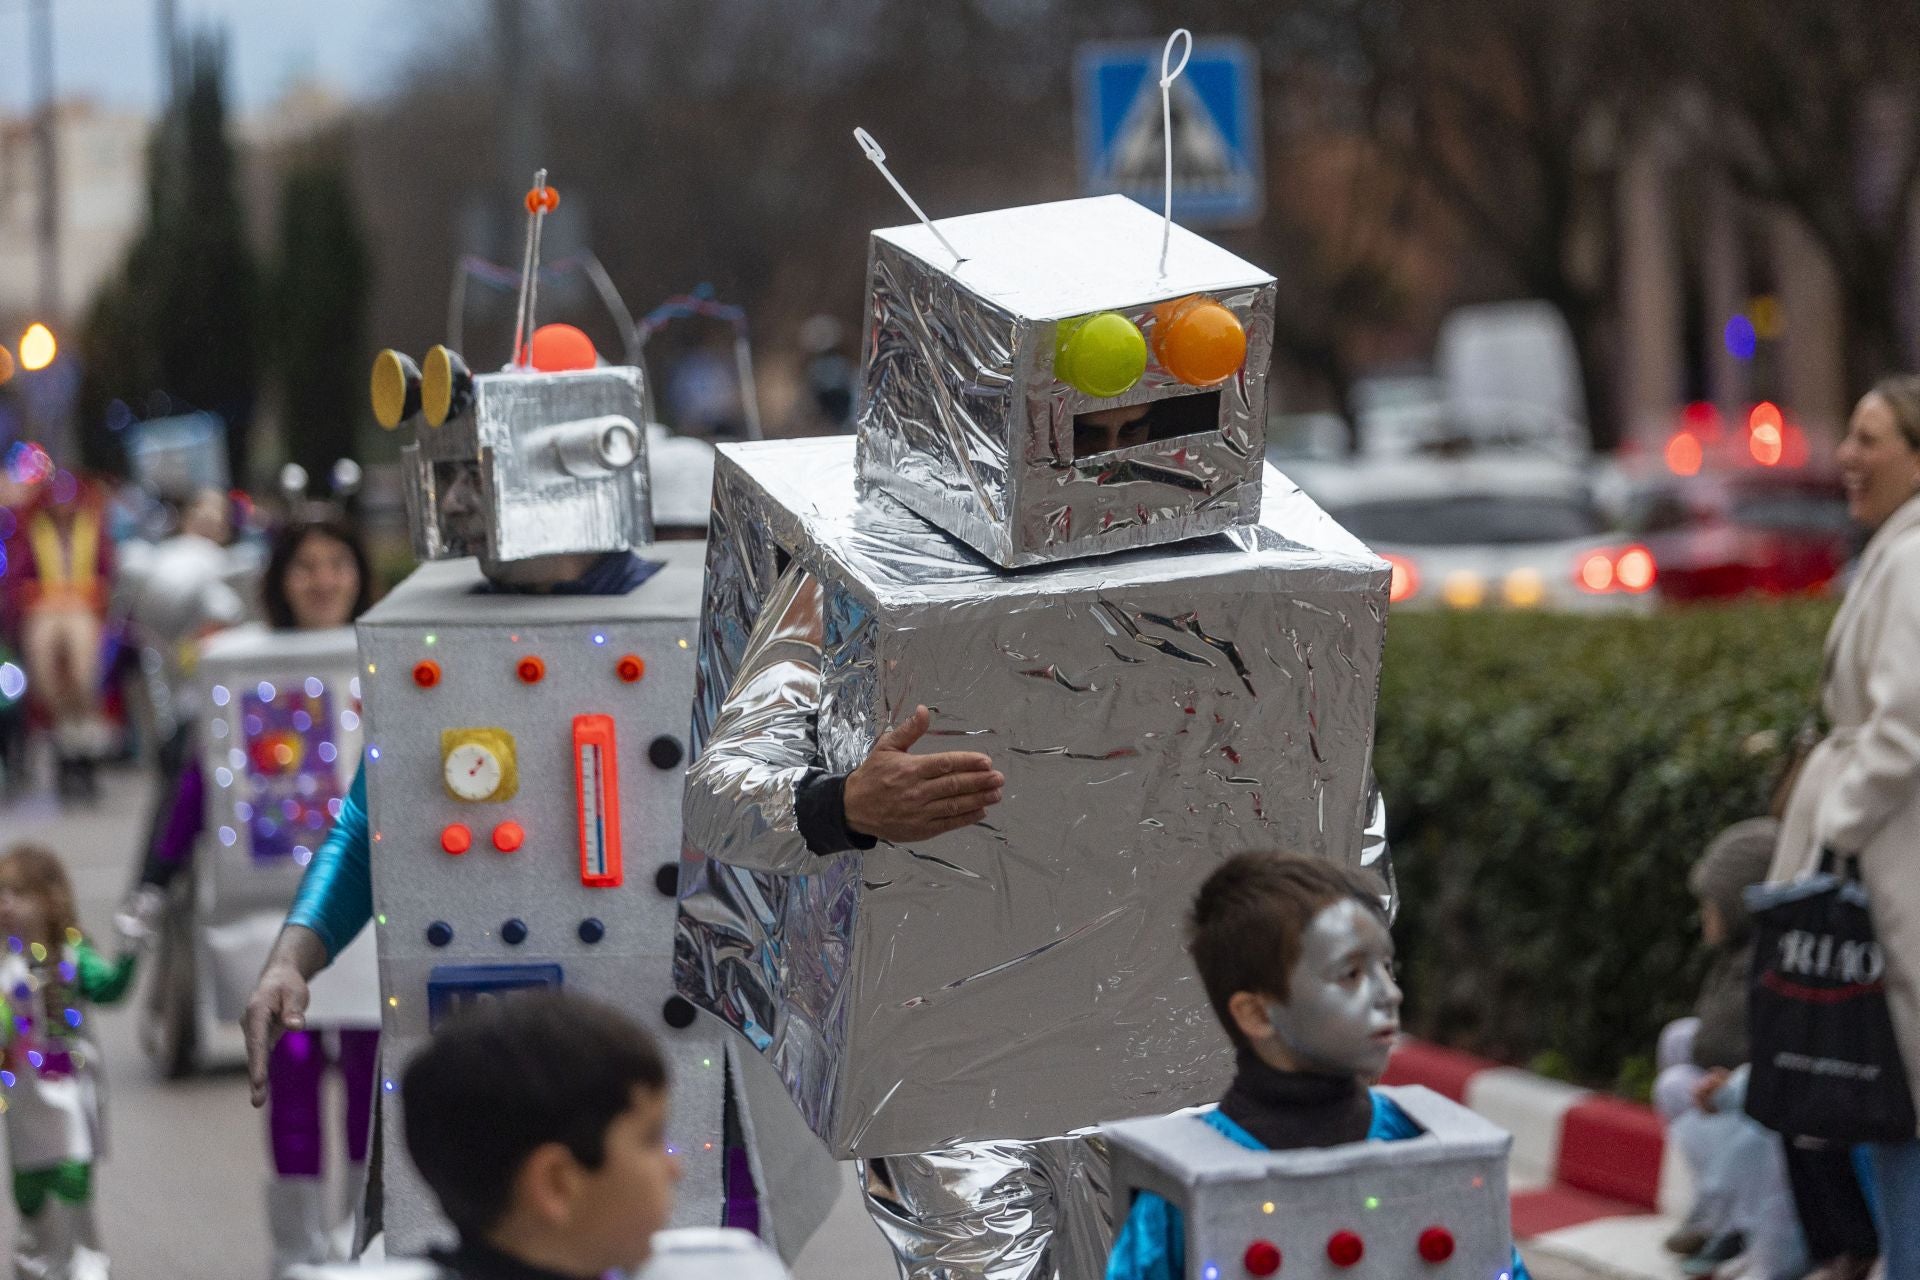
{"points": [[1298, 963]]}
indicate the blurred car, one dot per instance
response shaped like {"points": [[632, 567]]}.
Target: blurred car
{"points": [[1719, 535], [1485, 530]]}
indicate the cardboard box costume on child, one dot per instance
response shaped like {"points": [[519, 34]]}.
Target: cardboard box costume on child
{"points": [[1431, 1206], [1187, 670]]}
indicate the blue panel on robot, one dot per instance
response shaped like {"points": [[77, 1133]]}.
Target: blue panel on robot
{"points": [[452, 987]]}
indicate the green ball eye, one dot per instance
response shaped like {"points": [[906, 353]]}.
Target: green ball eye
{"points": [[1101, 355]]}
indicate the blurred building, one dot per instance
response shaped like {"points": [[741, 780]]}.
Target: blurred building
{"points": [[102, 172]]}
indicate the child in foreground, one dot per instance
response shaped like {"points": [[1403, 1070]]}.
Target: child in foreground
{"points": [[1297, 961], [539, 1123], [49, 1068]]}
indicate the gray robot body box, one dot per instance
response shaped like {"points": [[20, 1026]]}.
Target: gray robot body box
{"points": [[1154, 712], [525, 762], [970, 414], [1430, 1206], [279, 732]]}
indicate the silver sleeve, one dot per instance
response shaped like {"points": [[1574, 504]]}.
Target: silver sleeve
{"points": [[739, 802]]}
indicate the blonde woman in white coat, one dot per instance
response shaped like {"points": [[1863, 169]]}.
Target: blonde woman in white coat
{"points": [[1859, 792]]}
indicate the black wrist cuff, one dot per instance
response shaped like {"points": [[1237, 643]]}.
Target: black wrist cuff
{"points": [[820, 807]]}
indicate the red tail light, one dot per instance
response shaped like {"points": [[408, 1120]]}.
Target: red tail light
{"points": [[1628, 570], [1406, 580]]}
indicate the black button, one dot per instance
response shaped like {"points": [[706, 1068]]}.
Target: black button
{"points": [[665, 751], [678, 1013], [514, 932], [591, 931], [439, 933], [667, 879]]}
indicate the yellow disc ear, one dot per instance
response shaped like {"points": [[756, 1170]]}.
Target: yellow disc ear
{"points": [[448, 388], [395, 387]]}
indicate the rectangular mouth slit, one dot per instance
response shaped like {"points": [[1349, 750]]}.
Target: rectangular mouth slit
{"points": [[1105, 430]]}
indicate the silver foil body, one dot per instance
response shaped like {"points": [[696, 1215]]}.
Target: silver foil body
{"points": [[1154, 712], [960, 415], [995, 1210], [513, 479]]}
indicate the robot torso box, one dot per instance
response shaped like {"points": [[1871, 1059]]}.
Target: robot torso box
{"points": [[1154, 712], [1429, 1206], [979, 377], [279, 740], [526, 755]]}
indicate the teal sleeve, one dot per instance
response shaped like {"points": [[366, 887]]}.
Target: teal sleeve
{"points": [[1152, 1244], [336, 894]]}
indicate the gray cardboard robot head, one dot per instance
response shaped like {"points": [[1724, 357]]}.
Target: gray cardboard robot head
{"points": [[1058, 391], [519, 465]]}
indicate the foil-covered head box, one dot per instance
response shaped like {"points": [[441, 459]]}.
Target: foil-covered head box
{"points": [[1066, 388], [520, 464]]}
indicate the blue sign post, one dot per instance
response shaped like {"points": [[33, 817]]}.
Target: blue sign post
{"points": [[1217, 171]]}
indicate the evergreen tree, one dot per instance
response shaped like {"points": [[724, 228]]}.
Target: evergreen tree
{"points": [[319, 310], [176, 329]]}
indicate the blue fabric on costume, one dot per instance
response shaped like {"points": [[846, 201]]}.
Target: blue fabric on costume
{"points": [[336, 893], [1153, 1243]]}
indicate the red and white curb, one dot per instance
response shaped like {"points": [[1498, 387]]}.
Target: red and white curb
{"points": [[1593, 1179]]}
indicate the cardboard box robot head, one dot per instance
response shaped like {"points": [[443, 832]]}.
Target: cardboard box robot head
{"points": [[1431, 1206], [1060, 391], [522, 464]]}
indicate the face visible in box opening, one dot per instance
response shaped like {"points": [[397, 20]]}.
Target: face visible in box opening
{"points": [[1105, 430]]}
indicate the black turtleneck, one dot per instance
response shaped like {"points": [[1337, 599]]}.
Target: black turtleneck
{"points": [[478, 1260], [1287, 1110]]}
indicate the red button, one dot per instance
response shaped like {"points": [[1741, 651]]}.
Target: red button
{"points": [[455, 838], [508, 836], [426, 673], [531, 669], [1263, 1258], [1436, 1244], [1345, 1249], [630, 668]]}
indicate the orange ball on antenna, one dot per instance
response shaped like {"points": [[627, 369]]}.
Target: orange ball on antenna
{"points": [[542, 199], [558, 347]]}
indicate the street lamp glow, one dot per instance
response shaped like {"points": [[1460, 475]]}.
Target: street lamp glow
{"points": [[37, 348]]}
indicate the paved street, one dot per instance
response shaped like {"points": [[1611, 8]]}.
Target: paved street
{"points": [[181, 1192]]}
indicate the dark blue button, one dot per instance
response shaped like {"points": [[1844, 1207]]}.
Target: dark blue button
{"points": [[591, 931], [514, 932], [439, 933]]}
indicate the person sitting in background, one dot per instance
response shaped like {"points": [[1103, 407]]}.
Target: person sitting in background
{"points": [[1298, 964], [539, 1123], [1743, 1220]]}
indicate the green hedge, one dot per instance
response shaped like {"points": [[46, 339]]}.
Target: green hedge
{"points": [[1549, 780]]}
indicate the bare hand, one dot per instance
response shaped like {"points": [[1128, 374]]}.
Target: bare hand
{"points": [[278, 1004], [1710, 1084], [902, 798]]}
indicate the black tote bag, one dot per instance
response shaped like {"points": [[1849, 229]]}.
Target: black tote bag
{"points": [[1825, 1060]]}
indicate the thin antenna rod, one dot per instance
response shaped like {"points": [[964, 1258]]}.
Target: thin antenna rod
{"points": [[879, 158], [540, 200], [1166, 133]]}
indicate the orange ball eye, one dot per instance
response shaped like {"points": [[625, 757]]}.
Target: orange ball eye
{"points": [[1199, 341], [542, 200]]}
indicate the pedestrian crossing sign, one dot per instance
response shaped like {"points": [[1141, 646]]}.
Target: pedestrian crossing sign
{"points": [[1215, 108]]}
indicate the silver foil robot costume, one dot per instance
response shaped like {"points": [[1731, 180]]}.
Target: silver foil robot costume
{"points": [[525, 760], [1184, 666]]}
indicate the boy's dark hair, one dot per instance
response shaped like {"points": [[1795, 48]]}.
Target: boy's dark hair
{"points": [[511, 1075], [1245, 927]]}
